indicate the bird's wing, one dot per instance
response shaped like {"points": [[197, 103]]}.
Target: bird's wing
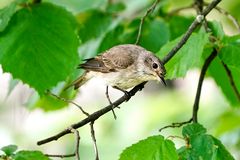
{"points": [[117, 61], [110, 61]]}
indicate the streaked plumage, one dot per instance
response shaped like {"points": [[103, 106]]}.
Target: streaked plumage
{"points": [[123, 67]]}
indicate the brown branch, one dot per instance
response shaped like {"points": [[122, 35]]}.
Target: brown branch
{"points": [[94, 140], [229, 73], [198, 93], [200, 82], [94, 116], [151, 9], [192, 27], [60, 156], [176, 125]]}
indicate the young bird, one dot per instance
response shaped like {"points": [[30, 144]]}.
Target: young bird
{"points": [[122, 67]]}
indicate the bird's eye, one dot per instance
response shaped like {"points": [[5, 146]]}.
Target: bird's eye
{"points": [[155, 65]]}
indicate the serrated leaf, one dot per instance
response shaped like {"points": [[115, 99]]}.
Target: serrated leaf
{"points": [[92, 24], [152, 148], [230, 52], [193, 129], [219, 74], [221, 151], [203, 147], [9, 150], [216, 29], [38, 47], [187, 57], [30, 155]]}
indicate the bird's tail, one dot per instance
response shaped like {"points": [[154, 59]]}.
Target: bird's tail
{"points": [[79, 81]]}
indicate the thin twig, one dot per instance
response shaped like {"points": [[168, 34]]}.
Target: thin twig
{"points": [[151, 9], [227, 14], [76, 153], [94, 141], [75, 131], [200, 82], [192, 27], [69, 101], [110, 102], [229, 73], [60, 156], [176, 125]]}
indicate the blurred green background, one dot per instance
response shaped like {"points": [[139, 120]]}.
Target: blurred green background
{"points": [[151, 109]]}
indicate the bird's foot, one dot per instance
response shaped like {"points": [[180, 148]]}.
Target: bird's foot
{"points": [[126, 93]]}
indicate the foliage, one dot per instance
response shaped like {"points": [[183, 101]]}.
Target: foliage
{"points": [[10, 153], [39, 45], [199, 145]]}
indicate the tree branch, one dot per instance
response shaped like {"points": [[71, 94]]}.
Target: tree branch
{"points": [[94, 116], [200, 82], [229, 73], [151, 9], [192, 27]]}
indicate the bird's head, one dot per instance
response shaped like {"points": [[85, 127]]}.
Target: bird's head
{"points": [[154, 67]]}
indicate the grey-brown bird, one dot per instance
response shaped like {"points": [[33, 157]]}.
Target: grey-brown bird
{"points": [[122, 67]]}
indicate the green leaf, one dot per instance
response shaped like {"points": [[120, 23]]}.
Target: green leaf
{"points": [[217, 29], [178, 25], [111, 39], [92, 24], [230, 52], [193, 129], [155, 34], [152, 148], [9, 150], [50, 103], [187, 57], [204, 147], [219, 74], [39, 48], [30, 155], [77, 6], [115, 7], [6, 14], [221, 152]]}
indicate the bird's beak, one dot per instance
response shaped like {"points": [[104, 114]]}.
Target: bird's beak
{"points": [[161, 79]]}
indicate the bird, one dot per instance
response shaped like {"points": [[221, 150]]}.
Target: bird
{"points": [[122, 67]]}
